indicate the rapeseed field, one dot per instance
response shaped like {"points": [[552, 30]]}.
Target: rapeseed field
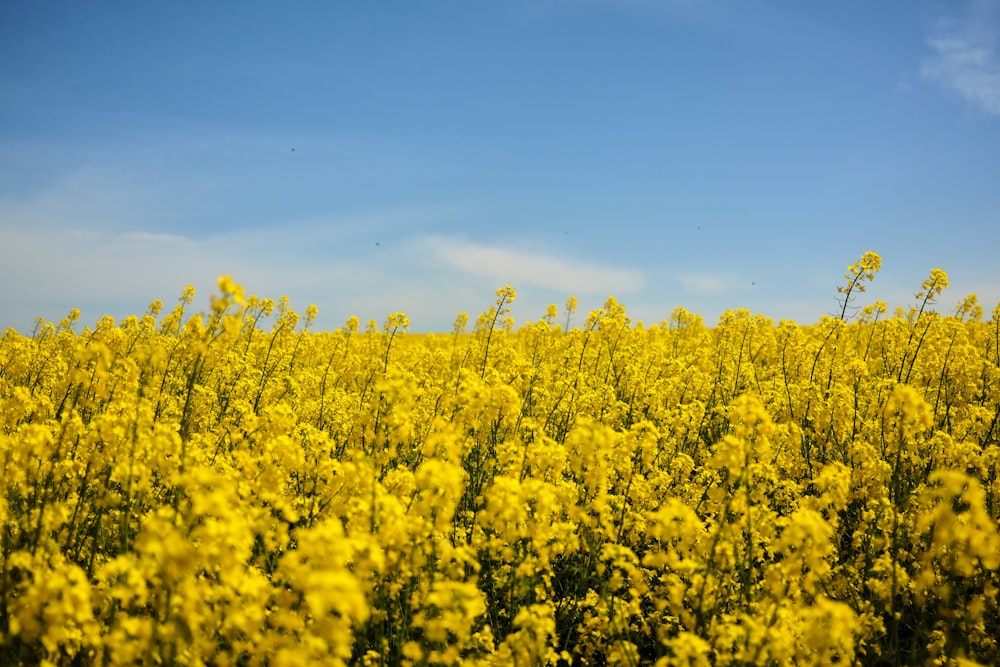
{"points": [[231, 487]]}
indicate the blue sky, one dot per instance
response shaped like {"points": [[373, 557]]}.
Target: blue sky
{"points": [[379, 157]]}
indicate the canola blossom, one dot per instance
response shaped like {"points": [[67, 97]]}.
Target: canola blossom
{"points": [[230, 487]]}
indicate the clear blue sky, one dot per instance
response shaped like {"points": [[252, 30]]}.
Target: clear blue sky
{"points": [[375, 157]]}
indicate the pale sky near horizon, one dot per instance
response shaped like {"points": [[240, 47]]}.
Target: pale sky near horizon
{"points": [[380, 157]]}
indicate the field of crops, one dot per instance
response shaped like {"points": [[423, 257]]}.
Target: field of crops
{"points": [[230, 487]]}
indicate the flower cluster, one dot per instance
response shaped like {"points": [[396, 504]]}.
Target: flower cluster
{"points": [[233, 488]]}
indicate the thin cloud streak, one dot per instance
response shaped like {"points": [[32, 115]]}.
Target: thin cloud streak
{"points": [[521, 268], [708, 283], [966, 58], [48, 269]]}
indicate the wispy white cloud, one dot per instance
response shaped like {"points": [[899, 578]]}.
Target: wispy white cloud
{"points": [[508, 265], [46, 271], [965, 55], [153, 238], [87, 242], [708, 283]]}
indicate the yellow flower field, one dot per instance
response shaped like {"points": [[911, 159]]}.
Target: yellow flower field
{"points": [[231, 487]]}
